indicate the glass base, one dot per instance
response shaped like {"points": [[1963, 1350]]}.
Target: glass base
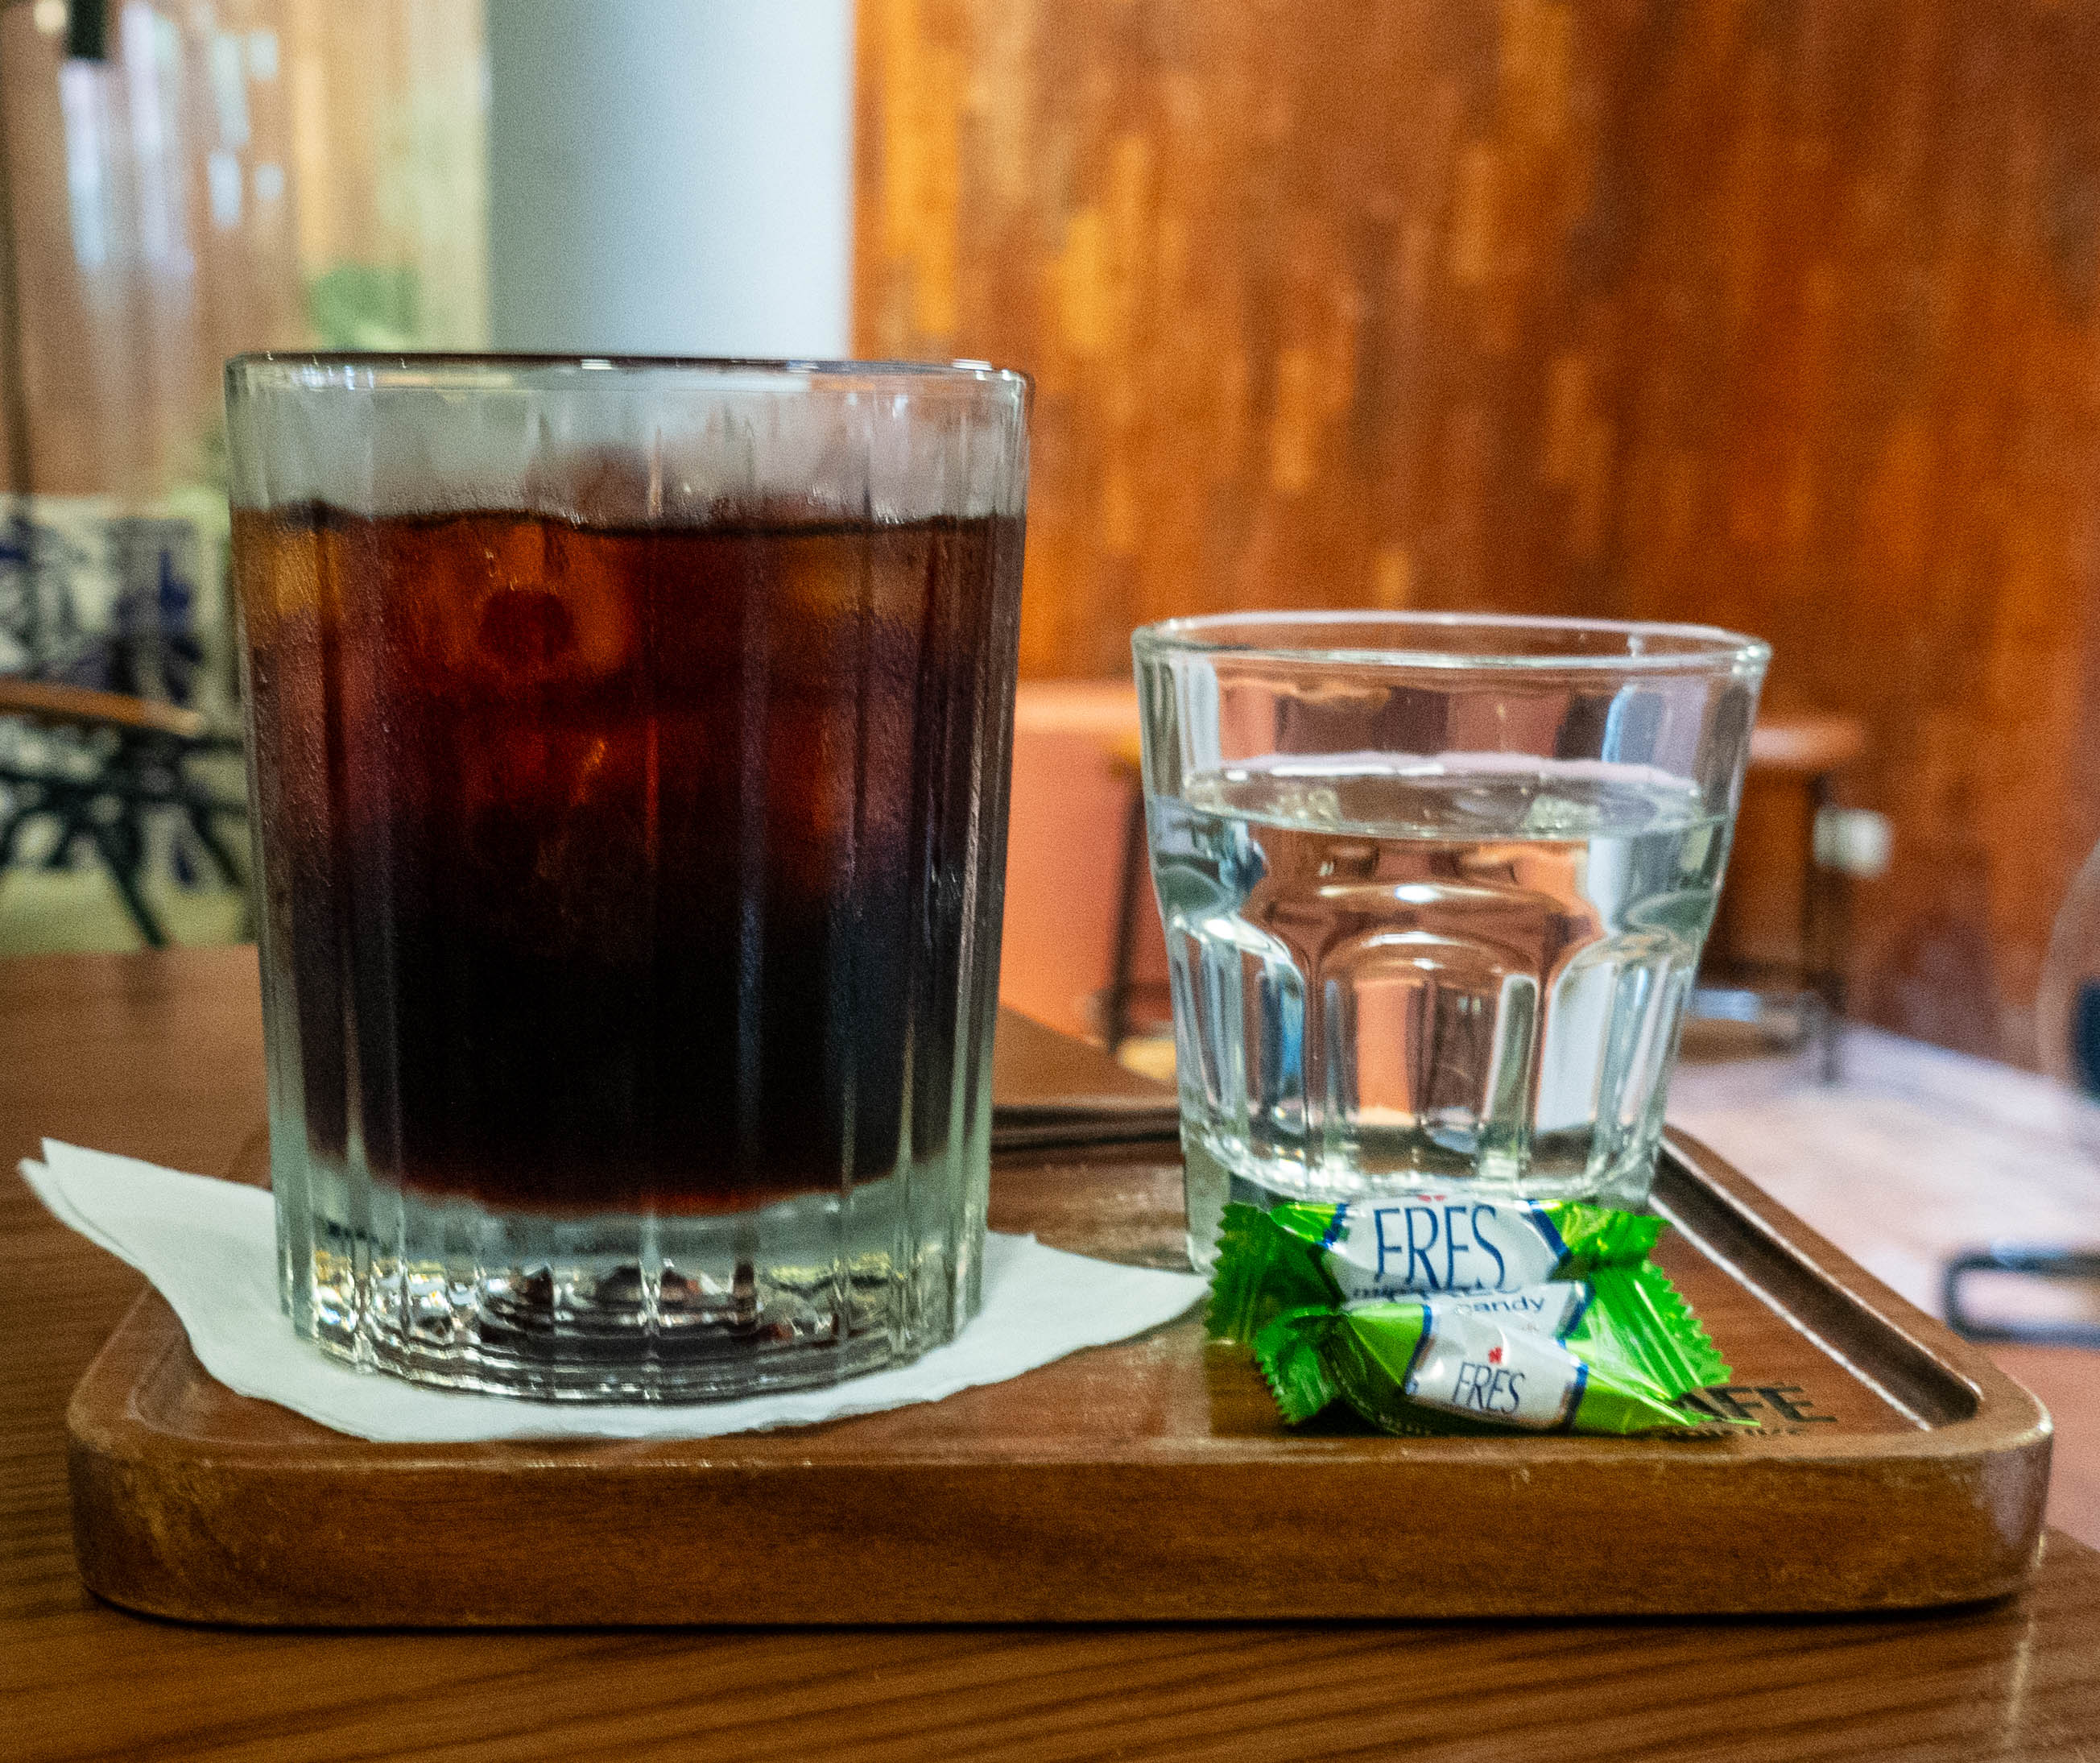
{"points": [[630, 1307], [1218, 1175]]}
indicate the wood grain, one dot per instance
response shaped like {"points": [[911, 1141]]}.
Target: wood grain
{"points": [[80, 1680], [1781, 316], [1149, 1480], [82, 707], [2066, 1381]]}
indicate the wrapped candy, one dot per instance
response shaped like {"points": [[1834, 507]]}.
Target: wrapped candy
{"points": [[1609, 1352]]}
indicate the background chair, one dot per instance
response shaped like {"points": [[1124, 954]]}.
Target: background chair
{"points": [[107, 763], [2067, 1036], [1794, 992]]}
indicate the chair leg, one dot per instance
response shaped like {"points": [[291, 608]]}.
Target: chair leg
{"points": [[1823, 934], [1116, 1017], [123, 868], [75, 824], [198, 817], [2069, 1265], [72, 807], [11, 834]]}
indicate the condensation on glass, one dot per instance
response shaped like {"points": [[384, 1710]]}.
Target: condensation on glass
{"points": [[628, 758], [1434, 888]]}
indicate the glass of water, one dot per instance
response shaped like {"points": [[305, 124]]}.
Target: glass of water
{"points": [[1434, 886]]}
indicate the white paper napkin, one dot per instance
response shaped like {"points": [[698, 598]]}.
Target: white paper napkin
{"points": [[210, 1247]]}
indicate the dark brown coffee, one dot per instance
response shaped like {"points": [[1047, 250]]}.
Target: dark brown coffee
{"points": [[620, 869]]}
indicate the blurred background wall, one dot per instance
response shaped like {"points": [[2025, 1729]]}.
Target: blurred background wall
{"points": [[1775, 314], [1779, 314], [235, 175], [179, 183]]}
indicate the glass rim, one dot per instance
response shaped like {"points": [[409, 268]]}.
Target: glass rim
{"points": [[1698, 647], [468, 370]]}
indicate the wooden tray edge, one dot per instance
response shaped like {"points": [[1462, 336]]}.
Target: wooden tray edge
{"points": [[181, 1543], [185, 1544], [2006, 1411]]}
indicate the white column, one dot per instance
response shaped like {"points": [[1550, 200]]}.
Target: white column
{"points": [[671, 177]]}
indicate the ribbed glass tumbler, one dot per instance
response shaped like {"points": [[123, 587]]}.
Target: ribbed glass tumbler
{"points": [[629, 751]]}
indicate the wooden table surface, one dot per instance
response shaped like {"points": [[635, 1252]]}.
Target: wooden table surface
{"points": [[159, 1056]]}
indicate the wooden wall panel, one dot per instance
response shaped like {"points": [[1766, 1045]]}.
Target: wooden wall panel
{"points": [[1781, 314]]}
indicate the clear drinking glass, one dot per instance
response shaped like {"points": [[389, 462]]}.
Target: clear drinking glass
{"points": [[1434, 888], [629, 749]]}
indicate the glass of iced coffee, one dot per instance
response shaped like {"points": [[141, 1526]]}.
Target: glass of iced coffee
{"points": [[628, 747]]}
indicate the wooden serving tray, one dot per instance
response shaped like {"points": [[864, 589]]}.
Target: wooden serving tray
{"points": [[1894, 1466]]}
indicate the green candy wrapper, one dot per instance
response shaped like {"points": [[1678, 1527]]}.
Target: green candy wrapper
{"points": [[1295, 1255], [1630, 1320], [1430, 1365], [1608, 1353], [1636, 1323]]}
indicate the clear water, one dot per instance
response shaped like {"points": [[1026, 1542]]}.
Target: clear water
{"points": [[1467, 972]]}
